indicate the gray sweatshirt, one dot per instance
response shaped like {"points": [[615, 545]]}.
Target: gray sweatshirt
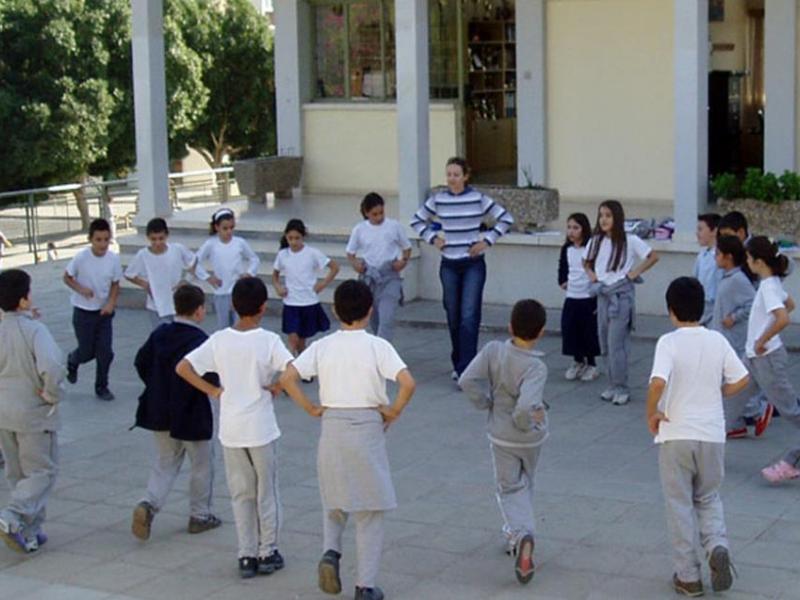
{"points": [[516, 377], [31, 375], [735, 294]]}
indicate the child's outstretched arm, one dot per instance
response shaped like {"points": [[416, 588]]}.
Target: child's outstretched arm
{"points": [[654, 393], [187, 372], [405, 389], [778, 324], [530, 407], [289, 382], [473, 380]]}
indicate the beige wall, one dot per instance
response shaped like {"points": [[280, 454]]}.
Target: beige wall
{"points": [[610, 98], [352, 148], [730, 31]]}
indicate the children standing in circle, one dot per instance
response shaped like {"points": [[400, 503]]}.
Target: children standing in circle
{"points": [[579, 315], [767, 359], [303, 316], [230, 258], [379, 250], [611, 263]]}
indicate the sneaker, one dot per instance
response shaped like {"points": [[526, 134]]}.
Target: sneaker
{"points": [[575, 370], [590, 373], [737, 434], [328, 572], [267, 565], [763, 421], [248, 567], [454, 375], [201, 524], [720, 565], [15, 540], [72, 372], [608, 395], [780, 471], [142, 520], [621, 398], [104, 394], [693, 589], [373, 593], [523, 566], [41, 538]]}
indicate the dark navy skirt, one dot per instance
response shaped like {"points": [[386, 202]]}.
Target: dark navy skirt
{"points": [[579, 328], [305, 321]]}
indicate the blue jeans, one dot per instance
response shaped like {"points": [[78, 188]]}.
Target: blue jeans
{"points": [[93, 331], [462, 284]]}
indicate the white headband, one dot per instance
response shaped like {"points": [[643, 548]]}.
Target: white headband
{"points": [[222, 212]]}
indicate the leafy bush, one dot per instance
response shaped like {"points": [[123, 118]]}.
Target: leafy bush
{"points": [[753, 184], [790, 185], [765, 187], [725, 185]]}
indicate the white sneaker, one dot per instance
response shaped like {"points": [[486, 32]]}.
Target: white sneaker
{"points": [[454, 376], [608, 395], [575, 371], [621, 398], [590, 374]]}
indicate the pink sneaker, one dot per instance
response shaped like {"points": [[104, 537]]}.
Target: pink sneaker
{"points": [[780, 471]]}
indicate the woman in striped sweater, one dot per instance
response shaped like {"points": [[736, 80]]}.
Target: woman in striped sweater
{"points": [[452, 221]]}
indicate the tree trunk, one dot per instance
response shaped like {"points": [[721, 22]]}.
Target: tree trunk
{"points": [[83, 205]]}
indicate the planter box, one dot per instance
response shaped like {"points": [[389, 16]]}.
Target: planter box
{"points": [[257, 176], [780, 220], [532, 208]]}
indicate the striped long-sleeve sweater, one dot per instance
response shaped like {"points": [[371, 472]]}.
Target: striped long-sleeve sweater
{"points": [[460, 216]]}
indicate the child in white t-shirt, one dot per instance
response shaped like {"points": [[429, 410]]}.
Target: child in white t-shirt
{"points": [[230, 259], [247, 359], [685, 413], [159, 270], [614, 260], [352, 464], [93, 275], [299, 263], [767, 359], [379, 250]]}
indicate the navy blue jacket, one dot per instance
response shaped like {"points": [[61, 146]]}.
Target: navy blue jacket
{"points": [[168, 402]]}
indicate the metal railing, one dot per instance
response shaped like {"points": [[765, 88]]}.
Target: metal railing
{"points": [[37, 216]]}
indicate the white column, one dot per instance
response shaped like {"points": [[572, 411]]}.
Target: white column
{"points": [[691, 114], [411, 23], [531, 92], [288, 97], [780, 80], [150, 109]]}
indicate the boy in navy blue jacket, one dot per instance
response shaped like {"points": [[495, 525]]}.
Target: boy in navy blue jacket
{"points": [[179, 416]]}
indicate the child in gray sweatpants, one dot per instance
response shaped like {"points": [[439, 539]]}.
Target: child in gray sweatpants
{"points": [[684, 412], [31, 373], [517, 422]]}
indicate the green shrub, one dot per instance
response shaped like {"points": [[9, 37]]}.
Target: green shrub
{"points": [[790, 185], [770, 188], [725, 185], [753, 184]]}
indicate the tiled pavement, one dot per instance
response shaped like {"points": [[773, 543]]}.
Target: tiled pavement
{"points": [[601, 531]]}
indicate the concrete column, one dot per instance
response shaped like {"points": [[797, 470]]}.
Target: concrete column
{"points": [[691, 114], [531, 92], [780, 81], [150, 109], [413, 131], [288, 97]]}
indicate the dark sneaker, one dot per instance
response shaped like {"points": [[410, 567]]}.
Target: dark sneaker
{"points": [[248, 567], [693, 589], [201, 524], [763, 421], [523, 566], [267, 565], [328, 570], [373, 593], [72, 372], [720, 565], [142, 519], [104, 394]]}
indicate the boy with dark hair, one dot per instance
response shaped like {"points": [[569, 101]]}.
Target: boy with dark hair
{"points": [[179, 416], [93, 275], [31, 374], [517, 425], [159, 269], [247, 359], [705, 265], [733, 223], [685, 414], [352, 465]]}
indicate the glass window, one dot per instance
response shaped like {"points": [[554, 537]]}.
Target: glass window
{"points": [[329, 51], [444, 48]]}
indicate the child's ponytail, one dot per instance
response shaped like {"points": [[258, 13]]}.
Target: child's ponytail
{"points": [[760, 248]]}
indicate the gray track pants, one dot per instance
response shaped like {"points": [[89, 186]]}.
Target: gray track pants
{"points": [[253, 483], [691, 475], [771, 375], [169, 458], [614, 324], [514, 470], [387, 300], [369, 540], [31, 469], [223, 307]]}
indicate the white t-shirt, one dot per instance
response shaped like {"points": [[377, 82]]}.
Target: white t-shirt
{"points": [[577, 279], [163, 273], [228, 261], [300, 270], [636, 251], [96, 273], [770, 295], [352, 366], [695, 362], [378, 244], [246, 362]]}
